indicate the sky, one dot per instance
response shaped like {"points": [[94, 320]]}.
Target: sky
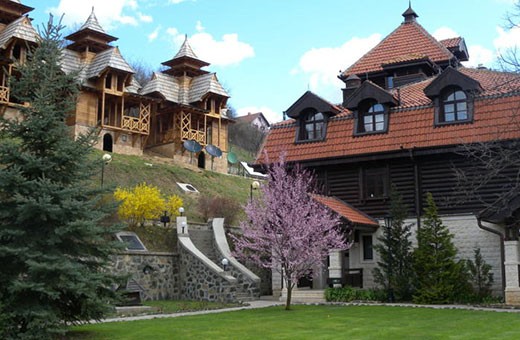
{"points": [[267, 53]]}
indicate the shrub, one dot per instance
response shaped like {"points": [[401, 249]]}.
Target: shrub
{"points": [[144, 202], [211, 207], [348, 294]]}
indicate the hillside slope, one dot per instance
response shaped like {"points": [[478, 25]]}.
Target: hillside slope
{"points": [[127, 171]]}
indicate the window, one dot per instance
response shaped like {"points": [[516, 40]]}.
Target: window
{"points": [[375, 183], [372, 118], [368, 250], [312, 126], [454, 106], [131, 240]]}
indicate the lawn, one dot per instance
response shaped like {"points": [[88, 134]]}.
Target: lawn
{"points": [[317, 322]]}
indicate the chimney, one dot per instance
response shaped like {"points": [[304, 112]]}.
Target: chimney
{"points": [[352, 83]]}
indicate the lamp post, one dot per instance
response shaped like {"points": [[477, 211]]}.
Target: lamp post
{"points": [[181, 211], [183, 226], [388, 225], [107, 158], [254, 186], [165, 218], [225, 263]]}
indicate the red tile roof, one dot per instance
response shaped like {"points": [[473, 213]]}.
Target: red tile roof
{"points": [[411, 123], [346, 210], [451, 42], [405, 43]]}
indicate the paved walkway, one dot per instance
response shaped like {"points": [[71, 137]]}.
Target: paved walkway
{"points": [[270, 303], [252, 305]]}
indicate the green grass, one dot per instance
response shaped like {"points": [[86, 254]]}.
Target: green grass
{"points": [[317, 322], [176, 306]]}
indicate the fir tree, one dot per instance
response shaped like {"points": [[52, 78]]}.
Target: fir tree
{"points": [[53, 247], [395, 272], [480, 275], [440, 277]]}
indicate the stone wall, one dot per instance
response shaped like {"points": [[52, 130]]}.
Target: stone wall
{"points": [[199, 282], [161, 279]]}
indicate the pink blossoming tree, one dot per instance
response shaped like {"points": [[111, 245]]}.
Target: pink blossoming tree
{"points": [[286, 229]]}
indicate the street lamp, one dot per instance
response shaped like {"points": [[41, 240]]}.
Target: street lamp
{"points": [[181, 211], [388, 225], [165, 218], [254, 186], [225, 263], [183, 226], [107, 158]]}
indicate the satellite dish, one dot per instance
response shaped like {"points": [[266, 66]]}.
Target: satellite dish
{"points": [[232, 158], [192, 146], [213, 150]]}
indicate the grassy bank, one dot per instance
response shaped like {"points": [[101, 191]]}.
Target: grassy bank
{"points": [[127, 171]]}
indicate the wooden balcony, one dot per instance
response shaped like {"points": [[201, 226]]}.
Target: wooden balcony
{"points": [[4, 94]]}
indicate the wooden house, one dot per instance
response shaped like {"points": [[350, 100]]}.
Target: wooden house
{"points": [[408, 106], [192, 108], [17, 35], [182, 103], [109, 98]]}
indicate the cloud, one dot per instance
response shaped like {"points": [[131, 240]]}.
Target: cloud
{"points": [[444, 32], [109, 13], [479, 55], [227, 51], [507, 38], [144, 17], [152, 36], [322, 65], [268, 113]]}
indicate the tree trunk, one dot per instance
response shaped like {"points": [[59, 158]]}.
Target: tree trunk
{"points": [[289, 293]]}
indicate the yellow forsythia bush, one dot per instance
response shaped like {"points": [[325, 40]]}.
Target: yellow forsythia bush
{"points": [[144, 202]]}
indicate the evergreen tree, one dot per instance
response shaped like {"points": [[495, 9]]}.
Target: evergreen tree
{"points": [[395, 271], [480, 275], [53, 248], [440, 277]]}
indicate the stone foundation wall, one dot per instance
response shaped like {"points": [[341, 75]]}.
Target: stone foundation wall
{"points": [[161, 279], [198, 282]]}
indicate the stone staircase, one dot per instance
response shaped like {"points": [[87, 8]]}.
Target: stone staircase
{"points": [[205, 240], [202, 237]]}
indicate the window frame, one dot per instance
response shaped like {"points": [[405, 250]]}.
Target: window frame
{"points": [[364, 249], [366, 109], [307, 118], [442, 101], [376, 172]]}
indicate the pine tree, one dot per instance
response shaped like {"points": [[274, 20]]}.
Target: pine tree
{"points": [[440, 277], [395, 272], [53, 248], [480, 275]]}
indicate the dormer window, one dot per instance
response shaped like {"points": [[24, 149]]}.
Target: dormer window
{"points": [[452, 94], [454, 106], [372, 117], [312, 126]]}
